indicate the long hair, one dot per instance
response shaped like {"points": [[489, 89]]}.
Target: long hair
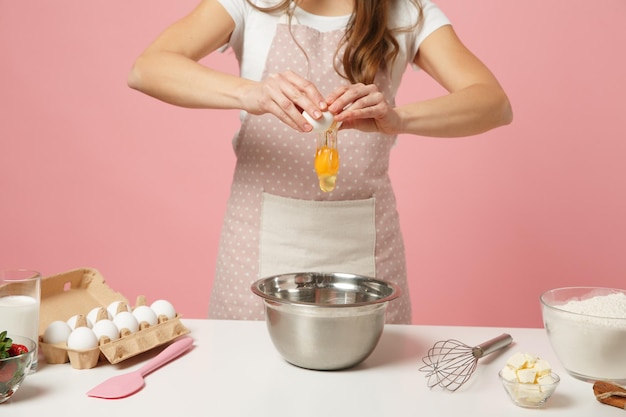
{"points": [[368, 43]]}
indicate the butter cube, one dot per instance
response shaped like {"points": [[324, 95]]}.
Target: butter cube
{"points": [[526, 376], [530, 360], [509, 374], [545, 380], [542, 367], [517, 361]]}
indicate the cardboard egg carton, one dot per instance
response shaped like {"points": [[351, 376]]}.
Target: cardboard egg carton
{"points": [[76, 293]]}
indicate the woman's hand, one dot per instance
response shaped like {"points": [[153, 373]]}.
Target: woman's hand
{"points": [[362, 107], [285, 95]]}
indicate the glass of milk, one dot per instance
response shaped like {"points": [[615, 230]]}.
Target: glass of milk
{"points": [[20, 297]]}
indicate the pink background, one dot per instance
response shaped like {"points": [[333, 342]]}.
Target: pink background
{"points": [[95, 174]]}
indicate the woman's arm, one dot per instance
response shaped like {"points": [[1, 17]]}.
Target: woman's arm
{"points": [[476, 102], [169, 71]]}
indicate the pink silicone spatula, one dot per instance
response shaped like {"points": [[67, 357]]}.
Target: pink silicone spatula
{"points": [[124, 385]]}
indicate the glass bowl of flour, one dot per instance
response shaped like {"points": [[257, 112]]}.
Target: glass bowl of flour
{"points": [[586, 327]]}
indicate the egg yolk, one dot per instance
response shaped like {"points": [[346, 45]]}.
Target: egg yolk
{"points": [[327, 166]]}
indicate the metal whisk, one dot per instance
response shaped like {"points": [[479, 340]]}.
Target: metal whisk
{"points": [[450, 363]]}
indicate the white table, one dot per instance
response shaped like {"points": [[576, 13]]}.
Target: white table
{"points": [[234, 370]]}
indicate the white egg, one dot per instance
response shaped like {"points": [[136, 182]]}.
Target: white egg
{"points": [[163, 308], [92, 316], [72, 321], [113, 307], [126, 320], [82, 338], [57, 332], [321, 125], [145, 314], [106, 327]]}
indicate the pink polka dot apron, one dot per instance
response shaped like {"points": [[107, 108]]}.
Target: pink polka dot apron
{"points": [[279, 221]]}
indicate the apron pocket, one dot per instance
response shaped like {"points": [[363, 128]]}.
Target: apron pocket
{"points": [[317, 236]]}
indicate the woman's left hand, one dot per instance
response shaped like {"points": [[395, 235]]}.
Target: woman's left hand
{"points": [[362, 107]]}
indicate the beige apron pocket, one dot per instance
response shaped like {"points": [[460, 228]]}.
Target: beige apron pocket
{"points": [[317, 236]]}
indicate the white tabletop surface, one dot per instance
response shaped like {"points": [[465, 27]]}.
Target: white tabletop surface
{"points": [[234, 370]]}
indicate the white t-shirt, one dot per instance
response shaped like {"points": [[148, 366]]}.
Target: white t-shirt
{"points": [[254, 31]]}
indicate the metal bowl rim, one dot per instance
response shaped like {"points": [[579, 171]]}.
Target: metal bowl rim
{"points": [[394, 294]]}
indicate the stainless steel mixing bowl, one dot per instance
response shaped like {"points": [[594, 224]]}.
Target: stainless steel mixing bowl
{"points": [[325, 321]]}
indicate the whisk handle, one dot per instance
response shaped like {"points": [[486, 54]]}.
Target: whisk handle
{"points": [[492, 345]]}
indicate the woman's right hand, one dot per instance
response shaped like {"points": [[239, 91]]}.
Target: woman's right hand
{"points": [[285, 95]]}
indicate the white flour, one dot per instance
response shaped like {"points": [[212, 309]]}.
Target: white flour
{"points": [[609, 306], [590, 344]]}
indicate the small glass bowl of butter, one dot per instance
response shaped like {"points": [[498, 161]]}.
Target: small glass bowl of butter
{"points": [[528, 380]]}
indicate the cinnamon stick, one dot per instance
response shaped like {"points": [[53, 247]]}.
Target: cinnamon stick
{"points": [[610, 394]]}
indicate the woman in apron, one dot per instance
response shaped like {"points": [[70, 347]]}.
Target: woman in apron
{"points": [[278, 220]]}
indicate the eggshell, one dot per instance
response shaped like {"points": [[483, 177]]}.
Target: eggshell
{"points": [[163, 308], [72, 321], [126, 320], [82, 338], [57, 332], [321, 125], [145, 314], [107, 328], [113, 307], [92, 316]]}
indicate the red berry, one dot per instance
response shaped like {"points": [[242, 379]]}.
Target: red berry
{"points": [[17, 349]]}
